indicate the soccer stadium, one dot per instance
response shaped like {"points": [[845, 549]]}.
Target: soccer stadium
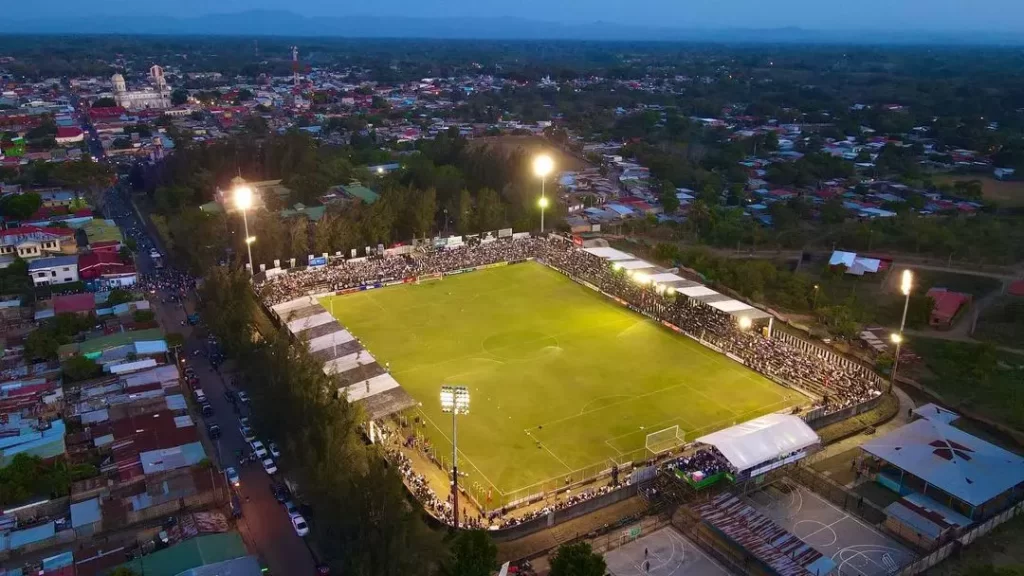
{"points": [[579, 363]]}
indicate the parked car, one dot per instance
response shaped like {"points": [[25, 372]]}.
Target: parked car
{"points": [[274, 450], [291, 508], [206, 409], [259, 450], [269, 467], [232, 476], [280, 492], [213, 430], [247, 434], [243, 397], [299, 523]]}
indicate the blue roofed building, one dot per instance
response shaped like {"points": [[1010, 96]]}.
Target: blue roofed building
{"points": [[31, 438]]}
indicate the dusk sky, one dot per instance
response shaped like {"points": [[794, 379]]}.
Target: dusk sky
{"points": [[888, 15]]}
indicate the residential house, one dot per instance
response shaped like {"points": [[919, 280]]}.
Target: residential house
{"points": [[54, 271]]}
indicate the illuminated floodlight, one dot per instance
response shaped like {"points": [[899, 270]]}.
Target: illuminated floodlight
{"points": [[455, 399], [250, 239], [896, 338], [629, 273], [670, 291], [543, 165], [907, 282], [616, 266], [745, 322], [380, 169], [641, 278], [543, 202], [243, 198]]}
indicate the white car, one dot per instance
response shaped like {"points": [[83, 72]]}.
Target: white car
{"points": [[244, 421], [233, 478], [259, 450], [243, 397], [299, 523], [274, 451], [269, 467]]}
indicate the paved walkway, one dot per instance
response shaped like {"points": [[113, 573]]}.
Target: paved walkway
{"points": [[902, 417]]}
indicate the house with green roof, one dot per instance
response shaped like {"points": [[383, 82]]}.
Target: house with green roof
{"points": [[350, 192], [313, 213]]}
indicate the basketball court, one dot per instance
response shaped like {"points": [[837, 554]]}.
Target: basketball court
{"points": [[668, 554], [857, 548]]}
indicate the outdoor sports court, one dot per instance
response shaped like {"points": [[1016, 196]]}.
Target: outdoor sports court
{"points": [[669, 554], [857, 548], [560, 378]]}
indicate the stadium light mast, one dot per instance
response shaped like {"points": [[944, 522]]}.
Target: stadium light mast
{"points": [[542, 166], [455, 400], [243, 201], [906, 286]]}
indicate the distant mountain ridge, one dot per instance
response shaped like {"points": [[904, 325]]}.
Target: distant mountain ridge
{"points": [[284, 23]]}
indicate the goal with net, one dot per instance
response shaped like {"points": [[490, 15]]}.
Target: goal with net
{"points": [[665, 440]]}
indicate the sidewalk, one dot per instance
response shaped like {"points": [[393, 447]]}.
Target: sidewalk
{"points": [[901, 418]]}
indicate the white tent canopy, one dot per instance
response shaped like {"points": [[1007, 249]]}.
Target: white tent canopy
{"points": [[731, 305], [634, 265], [695, 291], [762, 439], [609, 253]]}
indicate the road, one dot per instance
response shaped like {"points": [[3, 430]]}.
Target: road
{"points": [[264, 525]]}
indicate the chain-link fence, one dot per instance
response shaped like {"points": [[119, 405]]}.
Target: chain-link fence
{"points": [[839, 495]]}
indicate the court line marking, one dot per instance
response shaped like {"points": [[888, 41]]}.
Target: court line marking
{"points": [[548, 450]]}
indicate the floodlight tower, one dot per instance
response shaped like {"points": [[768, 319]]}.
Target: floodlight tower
{"points": [[243, 201], [542, 166], [906, 285], [455, 400]]}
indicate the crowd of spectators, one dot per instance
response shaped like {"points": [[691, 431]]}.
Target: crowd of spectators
{"points": [[839, 384], [706, 462], [358, 272]]}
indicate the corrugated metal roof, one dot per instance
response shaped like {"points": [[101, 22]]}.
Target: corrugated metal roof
{"points": [[20, 538], [87, 512]]}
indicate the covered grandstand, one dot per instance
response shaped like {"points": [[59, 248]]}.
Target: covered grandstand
{"points": [[763, 444], [357, 373], [644, 272]]}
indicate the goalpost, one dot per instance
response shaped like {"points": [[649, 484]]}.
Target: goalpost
{"points": [[665, 440]]}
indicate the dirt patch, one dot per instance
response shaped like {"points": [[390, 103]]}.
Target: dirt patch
{"points": [[1003, 192], [533, 145]]}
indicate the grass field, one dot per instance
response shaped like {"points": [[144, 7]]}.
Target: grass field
{"points": [[1003, 192], [560, 378]]}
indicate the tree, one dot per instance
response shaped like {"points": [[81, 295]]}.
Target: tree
{"points": [[119, 296], [473, 553], [144, 316], [20, 206], [424, 212], [41, 344], [105, 102], [488, 210], [174, 340], [668, 198], [80, 368], [463, 213], [577, 559]]}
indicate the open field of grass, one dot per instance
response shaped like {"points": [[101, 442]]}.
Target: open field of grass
{"points": [[533, 145], [1008, 193], [560, 378]]}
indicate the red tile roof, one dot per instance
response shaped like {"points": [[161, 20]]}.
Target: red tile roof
{"points": [[73, 303], [69, 132], [947, 303]]}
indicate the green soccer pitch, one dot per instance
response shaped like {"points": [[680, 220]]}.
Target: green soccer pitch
{"points": [[560, 378]]}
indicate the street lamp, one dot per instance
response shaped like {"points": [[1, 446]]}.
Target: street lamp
{"points": [[906, 285], [455, 400], [897, 339], [243, 201], [745, 322], [542, 166]]}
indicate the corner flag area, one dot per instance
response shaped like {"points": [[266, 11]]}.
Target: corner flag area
{"points": [[562, 381]]}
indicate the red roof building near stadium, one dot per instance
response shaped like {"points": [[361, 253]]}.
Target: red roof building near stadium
{"points": [[97, 264], [106, 113], [74, 304], [947, 304]]}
